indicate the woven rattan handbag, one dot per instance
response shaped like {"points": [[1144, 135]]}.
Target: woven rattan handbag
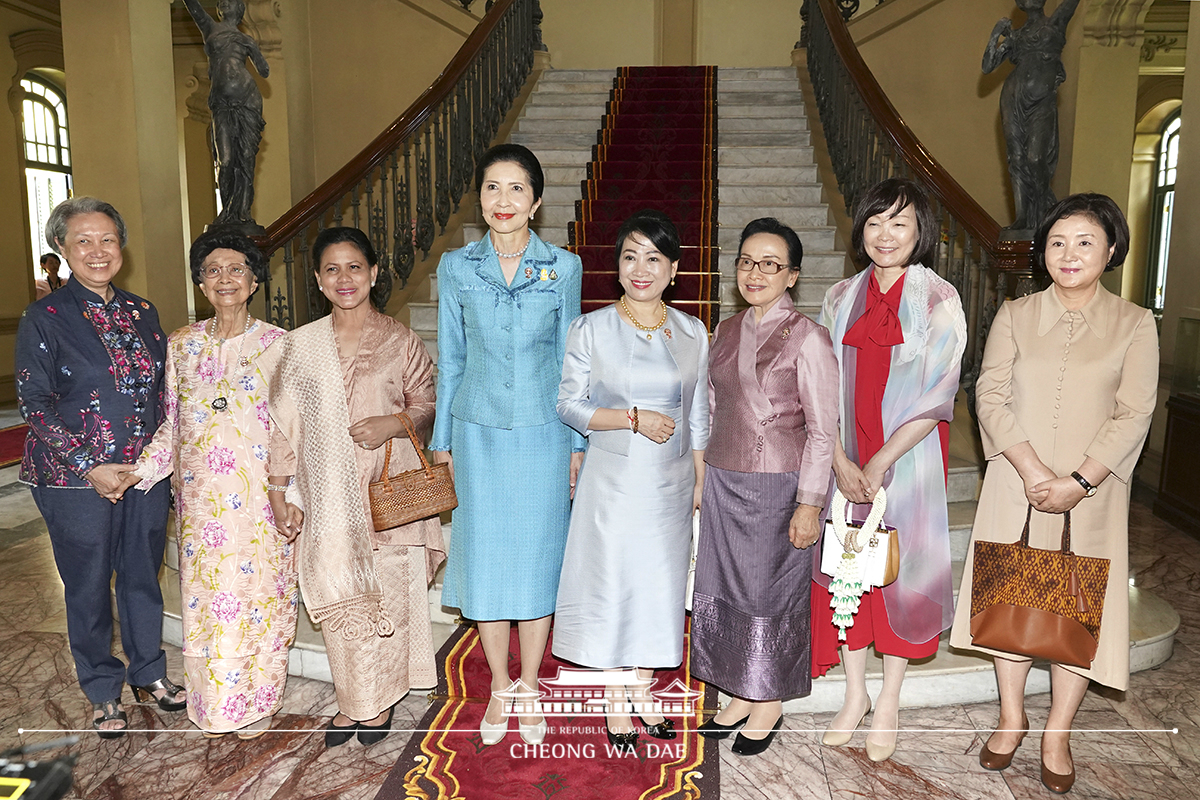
{"points": [[409, 496], [1038, 603]]}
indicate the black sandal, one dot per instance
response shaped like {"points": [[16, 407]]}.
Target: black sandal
{"points": [[168, 689], [110, 712]]}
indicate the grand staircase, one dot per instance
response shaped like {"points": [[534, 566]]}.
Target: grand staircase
{"points": [[766, 167]]}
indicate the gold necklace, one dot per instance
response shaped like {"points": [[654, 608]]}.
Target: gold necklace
{"points": [[644, 328]]}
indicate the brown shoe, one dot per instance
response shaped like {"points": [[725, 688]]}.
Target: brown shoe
{"points": [[1059, 784], [989, 759]]}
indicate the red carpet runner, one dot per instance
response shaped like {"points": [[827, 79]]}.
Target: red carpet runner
{"points": [[656, 149], [12, 444], [445, 757]]}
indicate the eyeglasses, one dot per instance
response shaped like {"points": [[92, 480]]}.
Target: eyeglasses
{"points": [[766, 266], [232, 270]]}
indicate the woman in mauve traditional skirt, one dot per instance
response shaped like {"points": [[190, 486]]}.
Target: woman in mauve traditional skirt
{"points": [[773, 404]]}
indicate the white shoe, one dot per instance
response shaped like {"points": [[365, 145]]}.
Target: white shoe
{"points": [[533, 734], [492, 732]]}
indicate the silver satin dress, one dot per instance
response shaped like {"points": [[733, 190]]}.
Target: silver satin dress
{"points": [[621, 595]]}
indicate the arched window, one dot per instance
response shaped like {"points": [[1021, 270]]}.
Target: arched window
{"points": [[47, 157], [1162, 207]]}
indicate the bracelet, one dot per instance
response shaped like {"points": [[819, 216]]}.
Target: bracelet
{"points": [[273, 488], [634, 420]]}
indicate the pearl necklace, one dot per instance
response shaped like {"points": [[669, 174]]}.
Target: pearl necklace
{"points": [[222, 403], [644, 328], [517, 254]]}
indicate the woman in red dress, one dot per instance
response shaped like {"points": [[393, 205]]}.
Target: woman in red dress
{"points": [[899, 333]]}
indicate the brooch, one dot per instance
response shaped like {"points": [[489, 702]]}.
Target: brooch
{"points": [[553, 275], [786, 332], [529, 272], [545, 275], [220, 404], [667, 332]]}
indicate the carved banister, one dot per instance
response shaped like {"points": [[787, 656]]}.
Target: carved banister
{"points": [[404, 185], [403, 127]]}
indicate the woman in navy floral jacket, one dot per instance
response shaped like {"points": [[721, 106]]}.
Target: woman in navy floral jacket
{"points": [[89, 364]]}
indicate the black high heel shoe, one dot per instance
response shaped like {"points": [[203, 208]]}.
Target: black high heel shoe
{"points": [[370, 734], [145, 694], [338, 735], [715, 730], [110, 712], [659, 730], [623, 741], [745, 746]]}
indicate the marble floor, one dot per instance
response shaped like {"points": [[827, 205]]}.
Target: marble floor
{"points": [[1120, 748]]}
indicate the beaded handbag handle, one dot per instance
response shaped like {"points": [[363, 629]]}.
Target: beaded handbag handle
{"points": [[837, 512]]}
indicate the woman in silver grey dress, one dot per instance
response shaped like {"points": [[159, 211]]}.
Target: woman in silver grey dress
{"points": [[635, 382]]}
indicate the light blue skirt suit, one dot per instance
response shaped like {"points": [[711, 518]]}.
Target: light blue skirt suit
{"points": [[500, 355]]}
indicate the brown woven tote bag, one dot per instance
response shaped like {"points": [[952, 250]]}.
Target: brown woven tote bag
{"points": [[409, 496], [1038, 603]]}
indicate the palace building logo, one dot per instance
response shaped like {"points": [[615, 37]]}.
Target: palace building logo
{"points": [[590, 692]]}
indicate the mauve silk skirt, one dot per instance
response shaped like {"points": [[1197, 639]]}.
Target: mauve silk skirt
{"points": [[750, 615]]}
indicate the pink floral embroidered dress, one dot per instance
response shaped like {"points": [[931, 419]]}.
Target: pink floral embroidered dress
{"points": [[237, 574]]}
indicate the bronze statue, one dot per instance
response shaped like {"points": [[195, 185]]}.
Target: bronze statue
{"points": [[1029, 102], [236, 105]]}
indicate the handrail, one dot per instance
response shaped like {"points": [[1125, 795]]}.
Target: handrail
{"points": [[370, 157], [1008, 254], [409, 180]]}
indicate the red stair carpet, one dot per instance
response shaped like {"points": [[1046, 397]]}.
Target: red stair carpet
{"points": [[12, 444], [445, 757], [657, 148]]}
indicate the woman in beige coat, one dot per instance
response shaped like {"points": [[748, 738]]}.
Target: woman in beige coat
{"points": [[1064, 398]]}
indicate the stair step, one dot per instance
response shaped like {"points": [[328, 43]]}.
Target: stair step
{"points": [[766, 176], [731, 124], [535, 141], [730, 74], [576, 87], [962, 676], [797, 194], [775, 154], [746, 100], [815, 238], [593, 111], [732, 85], [555, 76], [793, 216], [743, 138]]}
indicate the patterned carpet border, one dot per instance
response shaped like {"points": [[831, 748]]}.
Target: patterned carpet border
{"points": [[446, 759]]}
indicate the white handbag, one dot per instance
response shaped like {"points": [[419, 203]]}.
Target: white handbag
{"points": [[857, 565], [872, 546]]}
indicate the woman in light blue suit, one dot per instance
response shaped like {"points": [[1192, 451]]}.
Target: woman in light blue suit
{"points": [[635, 382], [504, 305]]}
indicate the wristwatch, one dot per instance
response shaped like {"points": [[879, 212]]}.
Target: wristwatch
{"points": [[1088, 489]]}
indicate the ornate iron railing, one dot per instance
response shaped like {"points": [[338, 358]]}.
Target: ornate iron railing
{"points": [[868, 141], [403, 187]]}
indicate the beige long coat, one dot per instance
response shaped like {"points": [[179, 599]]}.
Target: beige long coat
{"points": [[1072, 384]]}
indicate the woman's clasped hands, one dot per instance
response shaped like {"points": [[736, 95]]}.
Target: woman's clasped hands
{"points": [[111, 480]]}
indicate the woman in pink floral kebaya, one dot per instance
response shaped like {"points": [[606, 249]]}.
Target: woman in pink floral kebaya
{"points": [[237, 574]]}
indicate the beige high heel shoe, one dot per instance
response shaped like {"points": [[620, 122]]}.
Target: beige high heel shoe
{"points": [[838, 738]]}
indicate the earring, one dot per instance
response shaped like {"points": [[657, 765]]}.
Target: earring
{"points": [[372, 284], [672, 281]]}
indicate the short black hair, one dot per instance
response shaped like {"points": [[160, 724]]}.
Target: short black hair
{"points": [[901, 193], [517, 154], [655, 226], [47, 256], [220, 237], [1100, 209], [382, 289], [775, 227]]}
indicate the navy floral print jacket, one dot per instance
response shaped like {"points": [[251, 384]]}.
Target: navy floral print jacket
{"points": [[89, 382]]}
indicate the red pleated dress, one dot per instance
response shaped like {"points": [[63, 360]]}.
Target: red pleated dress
{"points": [[875, 333]]}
